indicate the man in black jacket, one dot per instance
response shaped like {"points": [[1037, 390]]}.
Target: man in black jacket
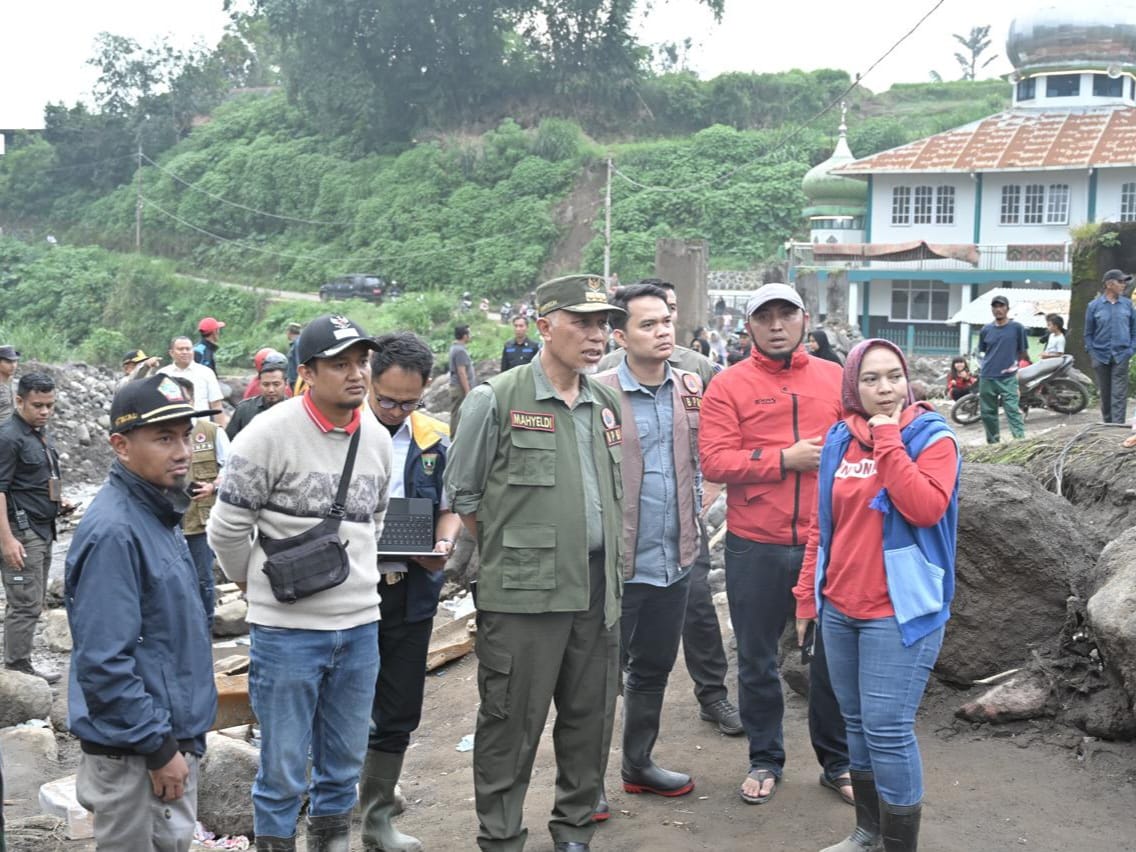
{"points": [[520, 350]]}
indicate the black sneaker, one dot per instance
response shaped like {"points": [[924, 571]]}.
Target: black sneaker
{"points": [[726, 715], [25, 667]]}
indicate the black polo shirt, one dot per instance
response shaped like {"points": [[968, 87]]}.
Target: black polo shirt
{"points": [[25, 468]]}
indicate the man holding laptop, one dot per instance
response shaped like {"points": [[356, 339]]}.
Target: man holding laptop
{"points": [[400, 372]]}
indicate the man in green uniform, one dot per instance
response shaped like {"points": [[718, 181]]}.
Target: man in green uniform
{"points": [[535, 476]]}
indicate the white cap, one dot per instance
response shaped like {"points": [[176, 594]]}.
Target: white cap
{"points": [[772, 293]]}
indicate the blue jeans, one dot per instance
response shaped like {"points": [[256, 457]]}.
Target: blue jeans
{"points": [[879, 684], [312, 691], [759, 586]]}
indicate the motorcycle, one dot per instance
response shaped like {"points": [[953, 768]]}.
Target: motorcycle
{"points": [[1047, 384], [506, 311]]}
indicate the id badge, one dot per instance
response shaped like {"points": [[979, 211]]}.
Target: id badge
{"points": [[54, 490]]}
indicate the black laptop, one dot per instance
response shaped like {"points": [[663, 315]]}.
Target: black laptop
{"points": [[408, 528]]}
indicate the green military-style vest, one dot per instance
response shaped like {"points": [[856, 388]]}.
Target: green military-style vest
{"points": [[532, 530], [203, 467]]}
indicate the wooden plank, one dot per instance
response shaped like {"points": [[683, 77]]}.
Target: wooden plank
{"points": [[232, 665], [450, 642], [233, 707]]}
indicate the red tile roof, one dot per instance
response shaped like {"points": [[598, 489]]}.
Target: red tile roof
{"points": [[1018, 139]]}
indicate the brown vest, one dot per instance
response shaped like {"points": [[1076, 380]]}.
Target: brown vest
{"points": [[203, 467]]}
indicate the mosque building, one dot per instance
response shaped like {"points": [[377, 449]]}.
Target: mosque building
{"points": [[903, 239]]}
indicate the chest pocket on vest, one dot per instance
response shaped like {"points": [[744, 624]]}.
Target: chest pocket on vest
{"points": [[532, 458], [528, 560]]}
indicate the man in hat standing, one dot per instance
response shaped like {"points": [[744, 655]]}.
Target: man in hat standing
{"points": [[763, 423], [293, 372], [136, 365], [140, 709], [9, 361], [535, 475], [1001, 344], [314, 659], [205, 350], [1110, 337]]}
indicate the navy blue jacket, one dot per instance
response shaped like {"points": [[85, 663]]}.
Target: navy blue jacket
{"points": [[1110, 330], [515, 354], [142, 663], [422, 477]]}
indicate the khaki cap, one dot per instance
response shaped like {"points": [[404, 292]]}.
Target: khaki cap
{"points": [[581, 294]]}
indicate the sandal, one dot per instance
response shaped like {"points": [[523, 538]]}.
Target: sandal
{"points": [[841, 785], [760, 776]]}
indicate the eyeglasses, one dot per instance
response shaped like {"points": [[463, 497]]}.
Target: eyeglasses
{"points": [[407, 405]]}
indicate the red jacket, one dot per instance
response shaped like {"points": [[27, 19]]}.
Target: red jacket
{"points": [[750, 413]]}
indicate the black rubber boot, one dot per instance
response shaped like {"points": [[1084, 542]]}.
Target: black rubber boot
{"points": [[381, 770], [866, 837], [899, 825], [641, 711], [267, 843], [330, 833]]}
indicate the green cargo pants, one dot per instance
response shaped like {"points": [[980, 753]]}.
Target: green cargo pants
{"points": [[25, 589], [525, 661], [989, 391]]}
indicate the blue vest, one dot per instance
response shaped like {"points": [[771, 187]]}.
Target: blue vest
{"points": [[919, 561], [422, 477]]}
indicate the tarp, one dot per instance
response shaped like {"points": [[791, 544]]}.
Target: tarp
{"points": [[1028, 307], [914, 250]]}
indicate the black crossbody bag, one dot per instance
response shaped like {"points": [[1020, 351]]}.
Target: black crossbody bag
{"points": [[314, 561]]}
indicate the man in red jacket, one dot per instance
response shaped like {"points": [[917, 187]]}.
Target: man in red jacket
{"points": [[763, 423]]}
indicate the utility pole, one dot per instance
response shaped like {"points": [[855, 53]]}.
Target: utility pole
{"points": [[607, 227], [138, 201]]}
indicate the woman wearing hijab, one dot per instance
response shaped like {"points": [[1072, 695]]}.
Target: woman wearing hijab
{"points": [[879, 575], [820, 347]]}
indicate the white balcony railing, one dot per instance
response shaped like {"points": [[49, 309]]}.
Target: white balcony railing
{"points": [[1010, 258]]}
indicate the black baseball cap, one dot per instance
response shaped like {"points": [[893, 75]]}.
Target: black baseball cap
{"points": [[9, 353], [134, 356], [156, 399], [1000, 300], [327, 336], [1118, 275]]}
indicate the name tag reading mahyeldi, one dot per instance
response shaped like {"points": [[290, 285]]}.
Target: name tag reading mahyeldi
{"points": [[533, 421]]}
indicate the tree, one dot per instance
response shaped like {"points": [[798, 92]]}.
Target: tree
{"points": [[974, 45]]}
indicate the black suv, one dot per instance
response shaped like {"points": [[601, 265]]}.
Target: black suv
{"points": [[369, 287]]}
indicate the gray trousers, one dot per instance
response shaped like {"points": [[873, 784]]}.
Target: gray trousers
{"points": [[1112, 383], [24, 589], [128, 816], [525, 661]]}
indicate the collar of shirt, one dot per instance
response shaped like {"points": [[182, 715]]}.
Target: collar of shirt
{"points": [[400, 449], [545, 390], [629, 383], [325, 425]]}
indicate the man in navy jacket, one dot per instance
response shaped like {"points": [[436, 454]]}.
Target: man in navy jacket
{"points": [[141, 695]]}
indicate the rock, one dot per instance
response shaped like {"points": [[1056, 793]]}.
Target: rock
{"points": [[1011, 581], [56, 631], [22, 697], [1104, 713], [717, 580], [716, 514], [54, 593], [1026, 695], [28, 746], [224, 795], [229, 619], [103, 420], [1112, 611], [59, 711], [83, 435]]}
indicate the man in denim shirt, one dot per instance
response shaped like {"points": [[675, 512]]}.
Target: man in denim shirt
{"points": [[661, 487], [1110, 333]]}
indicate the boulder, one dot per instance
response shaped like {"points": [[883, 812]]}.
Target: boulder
{"points": [[1026, 695], [59, 711], [1012, 581], [56, 631], [1112, 610], [224, 794], [28, 746], [229, 619], [22, 697]]}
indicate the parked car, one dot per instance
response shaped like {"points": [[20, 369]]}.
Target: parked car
{"points": [[368, 287]]}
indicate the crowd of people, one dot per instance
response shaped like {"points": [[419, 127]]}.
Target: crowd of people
{"points": [[583, 477]]}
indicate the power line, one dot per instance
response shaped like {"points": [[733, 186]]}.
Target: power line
{"points": [[244, 207], [380, 258], [782, 143]]}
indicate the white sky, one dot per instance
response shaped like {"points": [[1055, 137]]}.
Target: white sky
{"points": [[44, 44]]}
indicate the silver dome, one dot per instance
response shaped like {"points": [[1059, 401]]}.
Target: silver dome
{"points": [[1085, 35]]}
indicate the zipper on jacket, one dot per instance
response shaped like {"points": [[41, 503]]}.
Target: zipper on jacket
{"points": [[796, 474]]}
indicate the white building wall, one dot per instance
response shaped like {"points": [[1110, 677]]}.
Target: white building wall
{"points": [[995, 233], [1109, 182], [962, 231]]}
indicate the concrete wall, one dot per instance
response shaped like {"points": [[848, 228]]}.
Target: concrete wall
{"points": [[683, 263]]}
